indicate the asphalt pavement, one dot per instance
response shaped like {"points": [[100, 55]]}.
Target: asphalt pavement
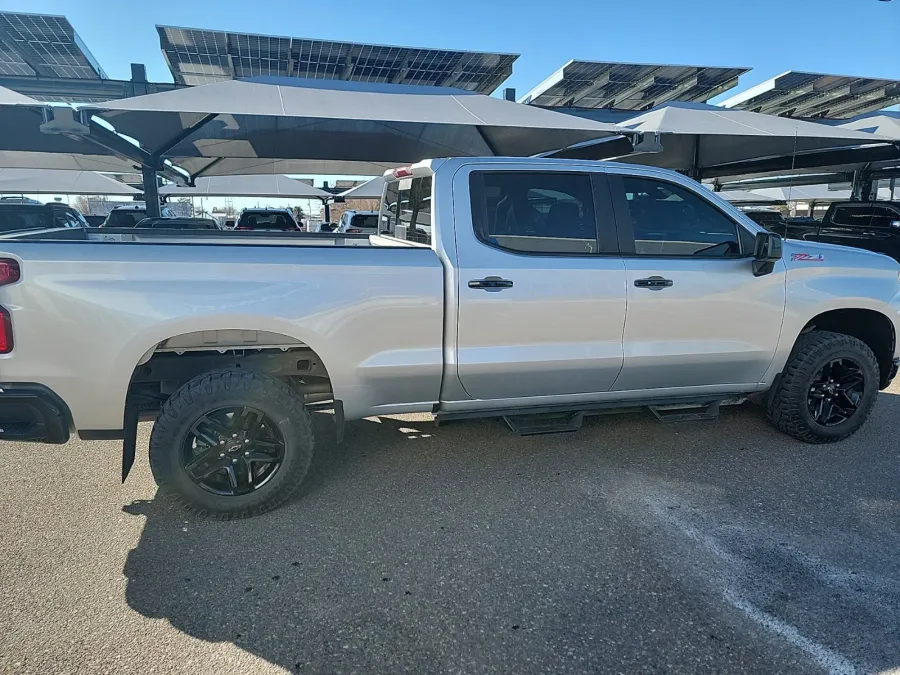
{"points": [[632, 546]]}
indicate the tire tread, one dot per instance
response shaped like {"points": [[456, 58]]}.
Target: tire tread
{"points": [[165, 430], [784, 409]]}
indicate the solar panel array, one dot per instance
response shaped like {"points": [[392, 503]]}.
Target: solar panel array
{"points": [[43, 45], [800, 94], [630, 86], [197, 56]]}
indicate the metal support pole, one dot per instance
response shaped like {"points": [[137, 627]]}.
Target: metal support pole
{"points": [[151, 191], [327, 216]]}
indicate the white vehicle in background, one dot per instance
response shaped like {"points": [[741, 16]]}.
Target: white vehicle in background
{"points": [[358, 222]]}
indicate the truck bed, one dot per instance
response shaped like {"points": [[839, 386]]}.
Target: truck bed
{"points": [[228, 237]]}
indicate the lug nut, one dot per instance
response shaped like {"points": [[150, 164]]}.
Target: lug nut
{"points": [[247, 454], [221, 455], [246, 440], [222, 442], [234, 435], [234, 461]]}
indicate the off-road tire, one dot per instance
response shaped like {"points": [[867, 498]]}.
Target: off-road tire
{"points": [[788, 409], [217, 389]]}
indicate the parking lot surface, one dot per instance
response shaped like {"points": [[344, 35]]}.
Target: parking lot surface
{"points": [[631, 546]]}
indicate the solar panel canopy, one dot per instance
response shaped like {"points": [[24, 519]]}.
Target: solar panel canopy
{"points": [[44, 45], [801, 94], [630, 86], [197, 56]]}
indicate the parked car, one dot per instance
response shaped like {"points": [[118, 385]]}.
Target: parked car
{"points": [[129, 215], [268, 220], [178, 223], [771, 220], [874, 226], [16, 215], [358, 222], [514, 307]]}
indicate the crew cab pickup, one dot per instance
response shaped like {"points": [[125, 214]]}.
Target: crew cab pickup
{"points": [[874, 226], [532, 289]]}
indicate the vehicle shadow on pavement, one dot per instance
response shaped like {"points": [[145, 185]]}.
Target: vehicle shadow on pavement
{"points": [[467, 548]]}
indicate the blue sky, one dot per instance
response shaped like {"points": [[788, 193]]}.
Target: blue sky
{"points": [[846, 37]]}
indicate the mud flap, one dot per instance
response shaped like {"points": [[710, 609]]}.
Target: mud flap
{"points": [[129, 444]]}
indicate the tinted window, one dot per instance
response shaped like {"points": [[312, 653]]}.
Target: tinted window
{"points": [[13, 219], [369, 222], [266, 221], [406, 211], [125, 218], [532, 212], [671, 220], [851, 215]]}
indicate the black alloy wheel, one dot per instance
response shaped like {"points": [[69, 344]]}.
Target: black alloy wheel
{"points": [[233, 451], [836, 392]]}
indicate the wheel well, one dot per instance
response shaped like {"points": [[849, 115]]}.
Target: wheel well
{"points": [[179, 359], [872, 327]]}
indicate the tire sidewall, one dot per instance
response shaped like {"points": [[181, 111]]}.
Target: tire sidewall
{"points": [[870, 391], [295, 429]]}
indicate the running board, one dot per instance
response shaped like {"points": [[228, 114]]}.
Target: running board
{"points": [[546, 423], [711, 412]]}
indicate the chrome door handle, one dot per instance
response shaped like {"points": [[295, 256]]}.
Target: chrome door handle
{"points": [[653, 283], [491, 284]]}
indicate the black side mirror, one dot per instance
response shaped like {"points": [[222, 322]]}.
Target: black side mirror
{"points": [[766, 253]]}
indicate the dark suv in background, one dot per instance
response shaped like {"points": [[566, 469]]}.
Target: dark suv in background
{"points": [[20, 215]]}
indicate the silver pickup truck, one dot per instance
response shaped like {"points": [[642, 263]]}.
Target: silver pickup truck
{"points": [[535, 290]]}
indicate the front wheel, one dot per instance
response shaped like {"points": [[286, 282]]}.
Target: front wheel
{"points": [[827, 389], [232, 444]]}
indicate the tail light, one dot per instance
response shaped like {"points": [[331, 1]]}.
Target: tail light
{"points": [[354, 230], [9, 271], [402, 172], [6, 333], [241, 227]]}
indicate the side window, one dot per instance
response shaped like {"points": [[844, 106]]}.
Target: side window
{"points": [[406, 211], [848, 215], [883, 216], [668, 219], [59, 218], [534, 212]]}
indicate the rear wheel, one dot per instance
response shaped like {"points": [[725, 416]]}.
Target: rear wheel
{"points": [[827, 389], [232, 444]]}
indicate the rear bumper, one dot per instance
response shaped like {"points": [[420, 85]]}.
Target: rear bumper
{"points": [[32, 412]]}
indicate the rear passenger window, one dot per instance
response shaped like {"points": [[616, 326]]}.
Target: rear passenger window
{"points": [[406, 210], [670, 220], [533, 212]]}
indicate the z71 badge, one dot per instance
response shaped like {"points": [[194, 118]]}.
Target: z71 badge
{"points": [[807, 257]]}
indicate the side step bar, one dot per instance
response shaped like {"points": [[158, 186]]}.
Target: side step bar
{"points": [[559, 419]]}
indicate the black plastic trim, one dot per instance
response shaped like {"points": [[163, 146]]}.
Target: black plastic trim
{"points": [[623, 404], [33, 412], [101, 434]]}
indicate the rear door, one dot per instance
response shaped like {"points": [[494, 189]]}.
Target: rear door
{"points": [[697, 317], [541, 285]]}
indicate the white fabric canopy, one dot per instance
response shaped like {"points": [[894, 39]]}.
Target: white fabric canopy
{"points": [[337, 122], [48, 181], [369, 190], [247, 186]]}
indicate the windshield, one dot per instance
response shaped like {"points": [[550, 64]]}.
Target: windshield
{"points": [[367, 221], [265, 221], [13, 219], [125, 217]]}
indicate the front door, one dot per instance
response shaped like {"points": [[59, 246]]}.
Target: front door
{"points": [[541, 287], [697, 317]]}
